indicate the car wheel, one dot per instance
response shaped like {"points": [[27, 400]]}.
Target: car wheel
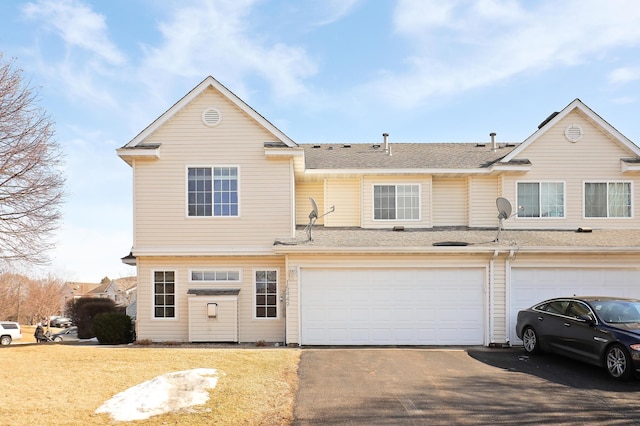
{"points": [[5, 340], [618, 362], [530, 341], [57, 339]]}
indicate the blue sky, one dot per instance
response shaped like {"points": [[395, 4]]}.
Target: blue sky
{"points": [[320, 70]]}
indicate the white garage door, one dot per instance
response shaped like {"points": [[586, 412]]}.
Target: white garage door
{"points": [[532, 285], [392, 306]]}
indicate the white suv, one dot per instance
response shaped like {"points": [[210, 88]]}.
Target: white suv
{"points": [[9, 331]]}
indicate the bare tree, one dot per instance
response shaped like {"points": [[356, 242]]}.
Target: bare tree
{"points": [[13, 288], [31, 180], [44, 299]]}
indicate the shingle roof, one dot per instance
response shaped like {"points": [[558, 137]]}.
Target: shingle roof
{"points": [[335, 240], [404, 155]]}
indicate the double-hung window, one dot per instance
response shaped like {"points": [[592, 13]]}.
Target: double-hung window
{"points": [[396, 202], [266, 293], [164, 294], [607, 199], [212, 191], [540, 199]]}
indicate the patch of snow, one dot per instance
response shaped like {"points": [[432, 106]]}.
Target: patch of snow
{"points": [[162, 394]]}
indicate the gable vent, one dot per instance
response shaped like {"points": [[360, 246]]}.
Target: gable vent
{"points": [[573, 133], [211, 117]]}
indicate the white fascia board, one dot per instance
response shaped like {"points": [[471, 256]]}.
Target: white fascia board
{"points": [[129, 154], [511, 168], [280, 152], [202, 251], [306, 249], [482, 171], [629, 167], [206, 83]]}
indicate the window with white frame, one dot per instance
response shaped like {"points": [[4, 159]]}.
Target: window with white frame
{"points": [[540, 199], [607, 199], [212, 191], [215, 275], [396, 202], [164, 294], [266, 293]]}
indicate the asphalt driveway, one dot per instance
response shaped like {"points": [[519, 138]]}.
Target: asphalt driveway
{"points": [[457, 386]]}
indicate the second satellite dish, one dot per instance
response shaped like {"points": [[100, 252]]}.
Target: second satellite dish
{"points": [[313, 216], [504, 212]]}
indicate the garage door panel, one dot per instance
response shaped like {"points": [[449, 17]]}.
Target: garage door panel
{"points": [[400, 306], [532, 285]]}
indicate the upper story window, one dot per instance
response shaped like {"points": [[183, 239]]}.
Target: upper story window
{"points": [[212, 191], [607, 199], [540, 199], [396, 202]]}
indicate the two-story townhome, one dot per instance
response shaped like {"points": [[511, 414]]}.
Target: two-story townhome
{"points": [[405, 247]]}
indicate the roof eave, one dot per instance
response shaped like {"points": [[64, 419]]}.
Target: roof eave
{"points": [[309, 249], [131, 154], [395, 171]]}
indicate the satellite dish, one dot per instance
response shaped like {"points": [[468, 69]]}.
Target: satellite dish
{"points": [[504, 212], [313, 216], [314, 212], [504, 208]]}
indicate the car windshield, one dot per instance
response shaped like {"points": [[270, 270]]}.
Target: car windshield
{"points": [[618, 311]]}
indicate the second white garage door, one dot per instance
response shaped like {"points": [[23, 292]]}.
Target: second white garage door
{"points": [[532, 285], [441, 306]]}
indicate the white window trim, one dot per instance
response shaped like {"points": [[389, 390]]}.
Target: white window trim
{"points": [[253, 292], [396, 184], [176, 317], [238, 270], [186, 192], [584, 200], [564, 200]]}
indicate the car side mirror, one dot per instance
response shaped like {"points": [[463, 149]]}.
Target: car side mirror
{"points": [[587, 319]]}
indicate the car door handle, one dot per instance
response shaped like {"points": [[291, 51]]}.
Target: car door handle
{"points": [[566, 324], [540, 318]]}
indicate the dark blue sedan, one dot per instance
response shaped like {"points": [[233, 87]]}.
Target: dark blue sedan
{"points": [[604, 331]]}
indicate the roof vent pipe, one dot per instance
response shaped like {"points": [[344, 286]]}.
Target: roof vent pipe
{"points": [[494, 146], [385, 137]]}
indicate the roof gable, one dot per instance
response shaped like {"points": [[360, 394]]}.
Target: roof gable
{"points": [[208, 82], [555, 118]]}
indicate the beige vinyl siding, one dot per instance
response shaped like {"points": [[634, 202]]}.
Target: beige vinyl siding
{"points": [[304, 191], [344, 194], [449, 202], [368, 183], [160, 186], [250, 329], [483, 192], [223, 327], [498, 299], [595, 157]]}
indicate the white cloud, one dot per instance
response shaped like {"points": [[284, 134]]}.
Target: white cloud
{"points": [[330, 11], [624, 75], [77, 25], [214, 37], [459, 45]]}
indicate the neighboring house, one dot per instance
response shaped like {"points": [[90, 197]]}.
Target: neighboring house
{"points": [[410, 256], [121, 290], [72, 290]]}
